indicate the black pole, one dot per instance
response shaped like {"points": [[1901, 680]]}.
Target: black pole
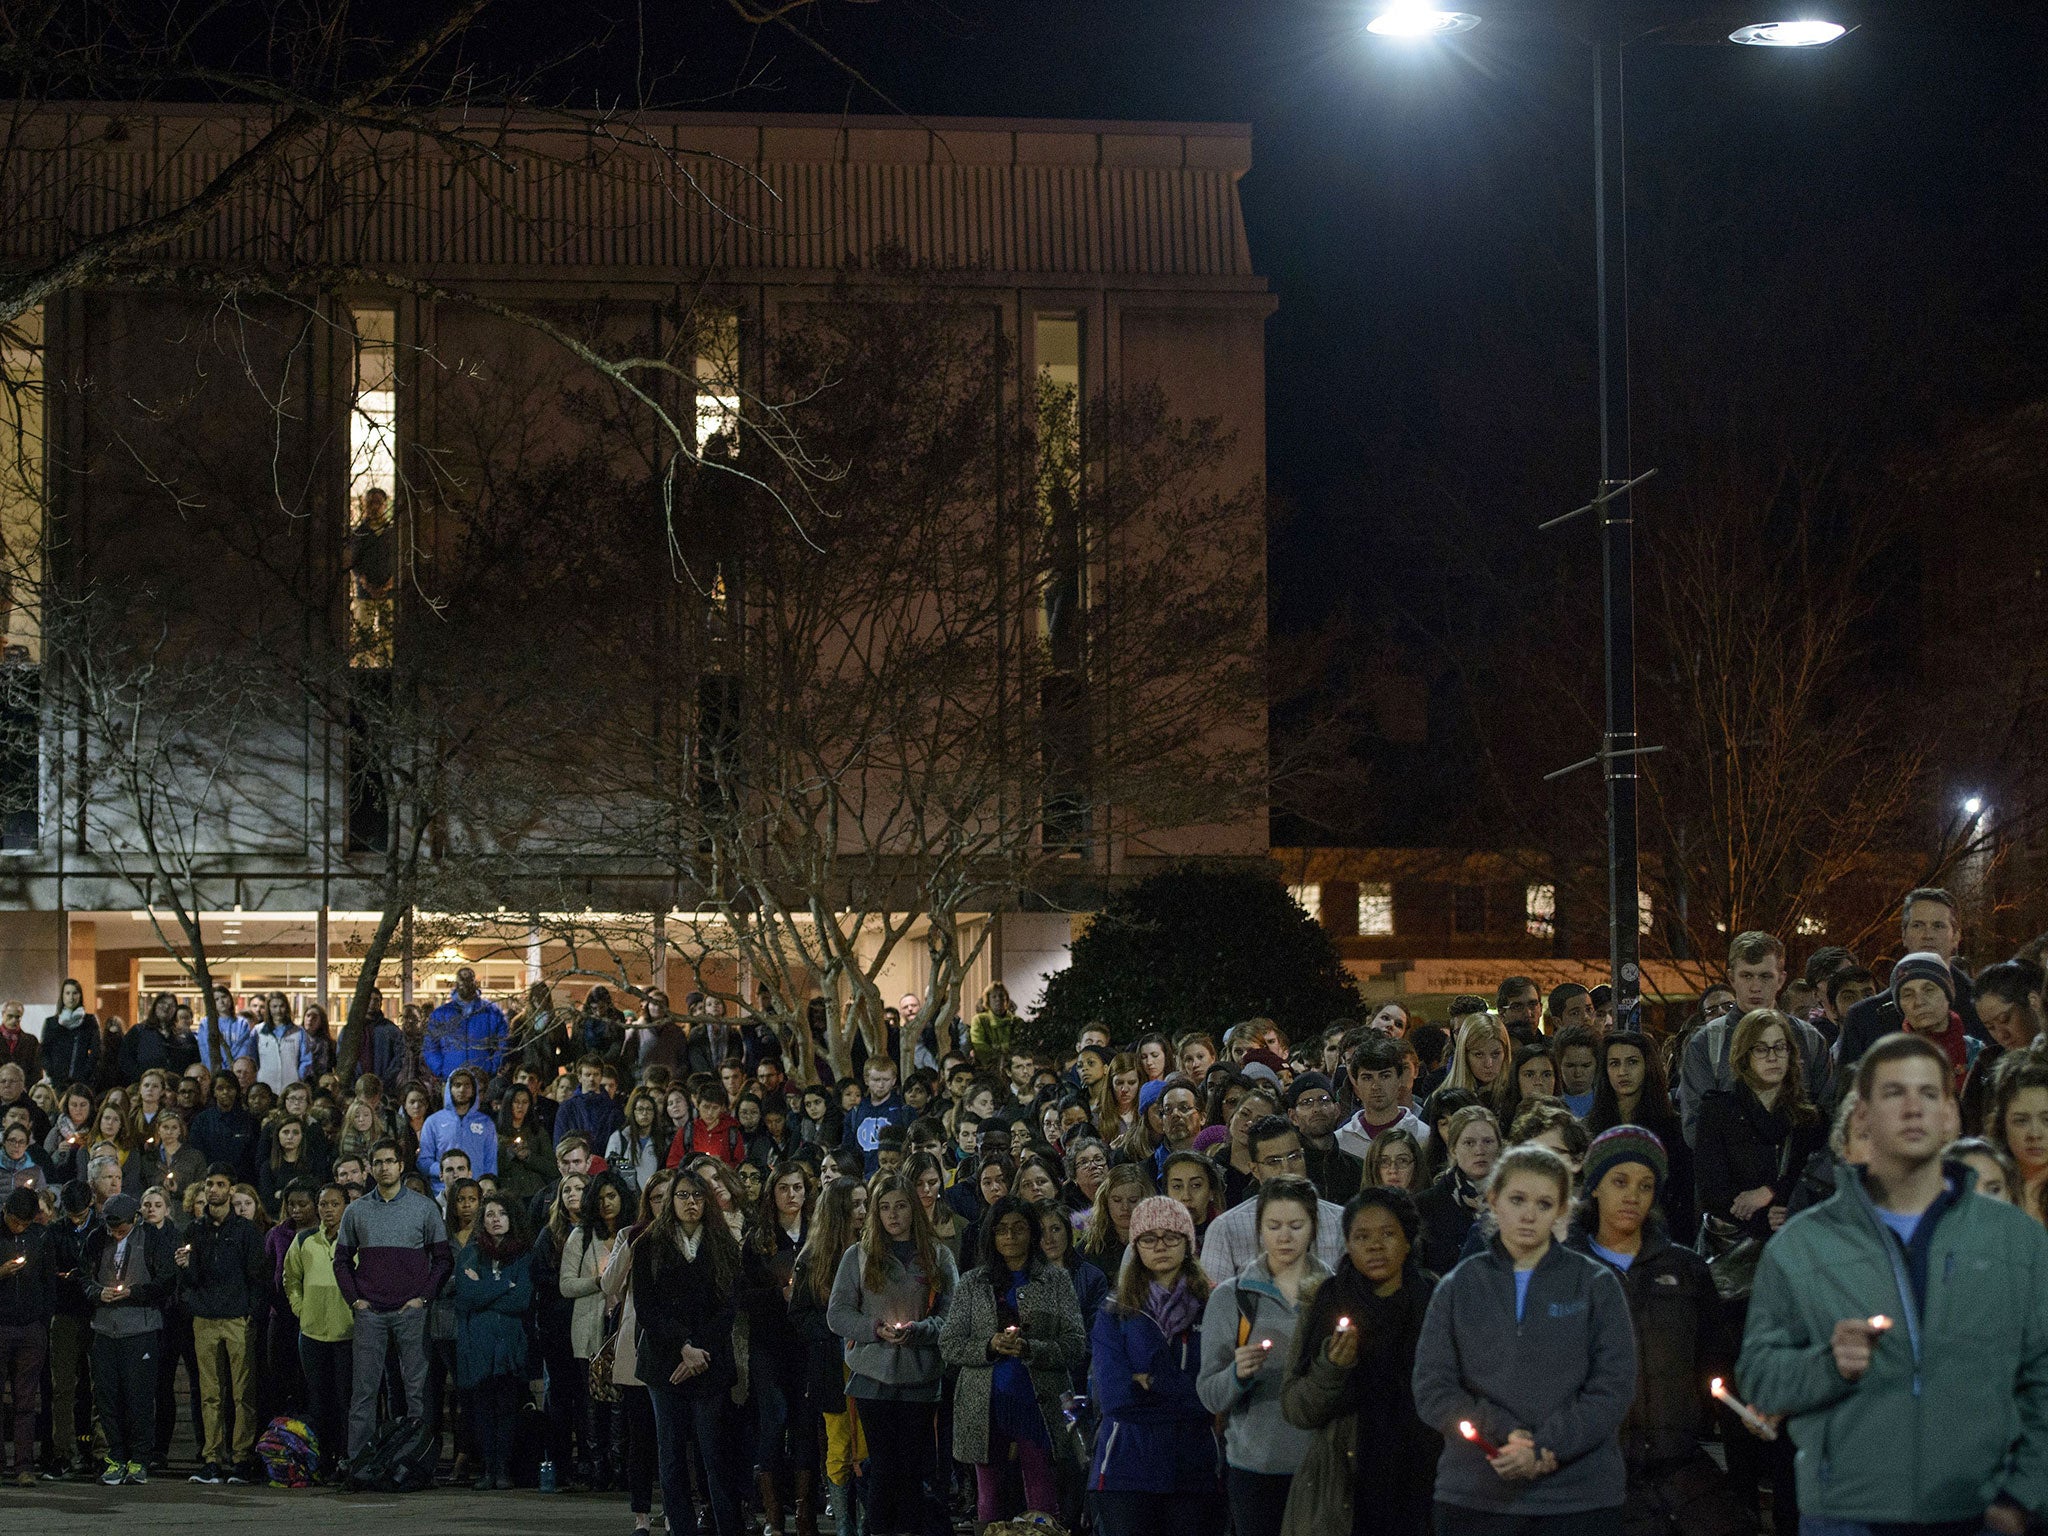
{"points": [[1617, 540]]}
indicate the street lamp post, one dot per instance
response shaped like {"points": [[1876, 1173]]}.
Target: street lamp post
{"points": [[1619, 748]]}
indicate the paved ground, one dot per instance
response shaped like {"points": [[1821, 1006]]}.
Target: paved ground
{"points": [[170, 1504]]}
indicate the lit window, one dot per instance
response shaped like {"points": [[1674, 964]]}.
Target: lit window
{"points": [[1539, 910], [1646, 912], [373, 487], [1309, 898], [1376, 910], [1812, 927], [718, 385]]}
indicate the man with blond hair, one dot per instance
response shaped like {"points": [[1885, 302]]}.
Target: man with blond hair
{"points": [[1756, 974]]}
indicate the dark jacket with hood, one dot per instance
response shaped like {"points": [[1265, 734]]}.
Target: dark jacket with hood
{"points": [[1682, 1340], [1743, 1146]]}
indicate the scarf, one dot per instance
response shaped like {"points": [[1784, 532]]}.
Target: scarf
{"points": [[1173, 1308], [70, 1018], [1464, 1191]]}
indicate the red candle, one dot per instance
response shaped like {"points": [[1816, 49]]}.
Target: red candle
{"points": [[1471, 1432]]}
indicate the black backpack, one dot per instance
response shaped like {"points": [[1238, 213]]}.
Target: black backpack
{"points": [[399, 1458]]}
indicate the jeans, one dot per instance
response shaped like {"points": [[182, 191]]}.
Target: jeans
{"points": [[71, 1401], [23, 1347], [1257, 1500], [492, 1409], [124, 1390], [1120, 1513], [680, 1418], [636, 1411], [375, 1333], [176, 1346], [785, 1428], [328, 1369], [902, 1449], [213, 1338]]}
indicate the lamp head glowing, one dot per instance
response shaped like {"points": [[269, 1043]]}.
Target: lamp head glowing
{"points": [[1788, 34], [1419, 18], [1974, 806]]}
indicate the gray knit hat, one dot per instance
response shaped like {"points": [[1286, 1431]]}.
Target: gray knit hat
{"points": [[1924, 965]]}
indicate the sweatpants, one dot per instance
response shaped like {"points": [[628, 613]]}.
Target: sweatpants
{"points": [[124, 1392]]}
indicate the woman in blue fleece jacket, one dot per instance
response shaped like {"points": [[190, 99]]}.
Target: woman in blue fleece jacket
{"points": [[1530, 1344], [1155, 1468]]}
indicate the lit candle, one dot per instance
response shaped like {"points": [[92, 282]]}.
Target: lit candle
{"points": [[1471, 1432], [1880, 1323], [1742, 1410], [1343, 1324]]}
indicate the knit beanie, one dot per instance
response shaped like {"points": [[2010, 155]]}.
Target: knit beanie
{"points": [[1626, 1144], [1924, 965], [1161, 1213], [1149, 1093]]}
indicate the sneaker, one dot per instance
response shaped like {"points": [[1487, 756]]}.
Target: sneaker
{"points": [[210, 1473], [245, 1472], [137, 1474], [113, 1474]]}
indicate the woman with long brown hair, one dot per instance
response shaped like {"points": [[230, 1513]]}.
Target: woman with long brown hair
{"points": [[841, 1211], [1109, 1228], [889, 1302], [784, 1430], [636, 1407], [1116, 1096], [686, 1276]]}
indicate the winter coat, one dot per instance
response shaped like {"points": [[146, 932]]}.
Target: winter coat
{"points": [[679, 1301], [1954, 1408], [312, 1292], [463, 1034], [912, 1367], [228, 1136], [25, 1051], [769, 1329], [1682, 1340], [1366, 1432], [28, 1290], [1565, 1370], [1048, 1317], [492, 1300], [824, 1350], [72, 1051], [1740, 1145], [226, 1276], [1150, 1439]]}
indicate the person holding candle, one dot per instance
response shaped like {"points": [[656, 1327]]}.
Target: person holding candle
{"points": [[1349, 1382], [1682, 1339], [889, 1303], [127, 1271], [1013, 1333], [1901, 1327], [1247, 1330], [1153, 1471], [28, 1301], [1530, 1344]]}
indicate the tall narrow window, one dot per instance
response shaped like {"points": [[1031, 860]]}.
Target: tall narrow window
{"points": [[1539, 909], [21, 579], [373, 487], [1063, 696], [1376, 909], [718, 385]]}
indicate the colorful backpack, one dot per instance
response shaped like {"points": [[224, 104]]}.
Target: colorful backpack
{"points": [[289, 1452]]}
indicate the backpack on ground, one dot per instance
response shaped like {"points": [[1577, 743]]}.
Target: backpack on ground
{"points": [[290, 1453], [399, 1458]]}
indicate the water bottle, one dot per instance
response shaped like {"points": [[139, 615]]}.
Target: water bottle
{"points": [[547, 1476]]}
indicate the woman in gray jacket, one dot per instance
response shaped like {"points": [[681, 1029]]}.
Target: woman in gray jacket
{"points": [[1014, 1334], [1247, 1340], [889, 1303]]}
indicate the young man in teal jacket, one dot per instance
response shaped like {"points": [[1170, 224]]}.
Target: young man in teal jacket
{"points": [[1902, 1327]]}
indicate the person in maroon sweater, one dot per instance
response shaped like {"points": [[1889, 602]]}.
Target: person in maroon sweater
{"points": [[390, 1257]]}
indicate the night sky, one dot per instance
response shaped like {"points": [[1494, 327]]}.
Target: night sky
{"points": [[1836, 253]]}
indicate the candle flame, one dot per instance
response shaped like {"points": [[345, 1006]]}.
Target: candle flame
{"points": [[1465, 1428], [1880, 1323], [1716, 1388]]}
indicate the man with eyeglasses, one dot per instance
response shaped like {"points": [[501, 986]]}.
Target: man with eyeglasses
{"points": [[1314, 1111], [1233, 1238], [390, 1257], [1180, 1117], [1519, 1002]]}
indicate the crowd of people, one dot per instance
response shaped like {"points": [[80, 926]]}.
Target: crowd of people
{"points": [[1524, 1272]]}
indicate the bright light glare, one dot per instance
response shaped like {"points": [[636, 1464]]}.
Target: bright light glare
{"points": [[1973, 806], [1788, 34], [1418, 18]]}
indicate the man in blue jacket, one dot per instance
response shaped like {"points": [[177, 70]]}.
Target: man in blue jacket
{"points": [[466, 1031], [589, 1109], [883, 1106]]}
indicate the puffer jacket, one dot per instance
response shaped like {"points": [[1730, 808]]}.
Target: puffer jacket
{"points": [[1682, 1341], [1954, 1408], [1048, 1316]]}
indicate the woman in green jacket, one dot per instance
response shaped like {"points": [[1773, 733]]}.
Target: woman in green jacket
{"points": [[493, 1295], [326, 1326]]}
